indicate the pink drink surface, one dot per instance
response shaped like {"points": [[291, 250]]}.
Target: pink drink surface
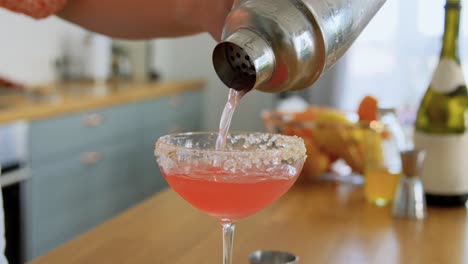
{"points": [[227, 196]]}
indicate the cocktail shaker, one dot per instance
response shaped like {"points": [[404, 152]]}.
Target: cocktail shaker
{"points": [[280, 45]]}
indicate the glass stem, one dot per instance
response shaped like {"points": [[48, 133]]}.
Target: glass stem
{"points": [[228, 240]]}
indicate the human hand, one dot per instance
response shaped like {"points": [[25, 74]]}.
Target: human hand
{"points": [[211, 15]]}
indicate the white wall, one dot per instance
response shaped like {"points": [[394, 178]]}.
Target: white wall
{"points": [[28, 48], [190, 57]]}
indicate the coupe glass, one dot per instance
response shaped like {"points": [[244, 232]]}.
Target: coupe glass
{"points": [[253, 171]]}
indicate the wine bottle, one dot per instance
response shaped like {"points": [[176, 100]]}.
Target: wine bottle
{"points": [[441, 123]]}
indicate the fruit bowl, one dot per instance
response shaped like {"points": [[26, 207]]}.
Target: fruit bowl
{"points": [[336, 141]]}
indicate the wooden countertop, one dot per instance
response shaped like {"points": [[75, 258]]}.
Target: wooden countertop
{"points": [[322, 223], [79, 97]]}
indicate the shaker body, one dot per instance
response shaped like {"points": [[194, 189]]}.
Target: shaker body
{"points": [[281, 45]]}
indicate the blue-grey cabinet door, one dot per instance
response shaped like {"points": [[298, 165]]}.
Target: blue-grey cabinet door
{"points": [[79, 191], [175, 113], [190, 115], [166, 115], [158, 120], [51, 138], [82, 180], [157, 124], [151, 180]]}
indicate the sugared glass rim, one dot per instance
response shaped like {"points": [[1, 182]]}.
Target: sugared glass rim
{"points": [[294, 147]]}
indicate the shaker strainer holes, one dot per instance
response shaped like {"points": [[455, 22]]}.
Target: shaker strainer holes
{"points": [[240, 62]]}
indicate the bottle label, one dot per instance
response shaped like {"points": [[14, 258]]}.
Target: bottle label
{"points": [[445, 170], [447, 77]]}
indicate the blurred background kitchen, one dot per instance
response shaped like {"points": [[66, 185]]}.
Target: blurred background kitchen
{"points": [[65, 171]]}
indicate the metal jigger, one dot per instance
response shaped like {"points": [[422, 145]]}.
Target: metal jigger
{"points": [[410, 201], [273, 257]]}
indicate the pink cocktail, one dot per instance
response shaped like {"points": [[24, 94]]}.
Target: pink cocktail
{"points": [[228, 196], [251, 172]]}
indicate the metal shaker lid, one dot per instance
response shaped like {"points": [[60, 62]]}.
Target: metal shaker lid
{"points": [[412, 161]]}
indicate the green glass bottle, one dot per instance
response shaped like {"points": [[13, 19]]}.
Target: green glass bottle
{"points": [[441, 124]]}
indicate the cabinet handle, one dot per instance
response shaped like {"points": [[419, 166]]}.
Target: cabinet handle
{"points": [[91, 158], [93, 120]]}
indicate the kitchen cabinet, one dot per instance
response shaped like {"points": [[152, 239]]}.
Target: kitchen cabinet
{"points": [[81, 190], [87, 167], [177, 113], [50, 138], [180, 112]]}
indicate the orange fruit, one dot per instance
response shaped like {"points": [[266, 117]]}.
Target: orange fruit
{"points": [[289, 131], [292, 130], [308, 115], [368, 109], [317, 162]]}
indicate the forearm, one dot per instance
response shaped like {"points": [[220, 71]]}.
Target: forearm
{"points": [[139, 19]]}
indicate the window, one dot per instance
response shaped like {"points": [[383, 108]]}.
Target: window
{"points": [[395, 56]]}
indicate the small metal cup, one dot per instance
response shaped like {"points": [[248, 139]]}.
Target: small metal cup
{"points": [[273, 257], [410, 200]]}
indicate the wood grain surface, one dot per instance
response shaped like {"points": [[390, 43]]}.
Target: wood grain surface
{"points": [[81, 97], [322, 223]]}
